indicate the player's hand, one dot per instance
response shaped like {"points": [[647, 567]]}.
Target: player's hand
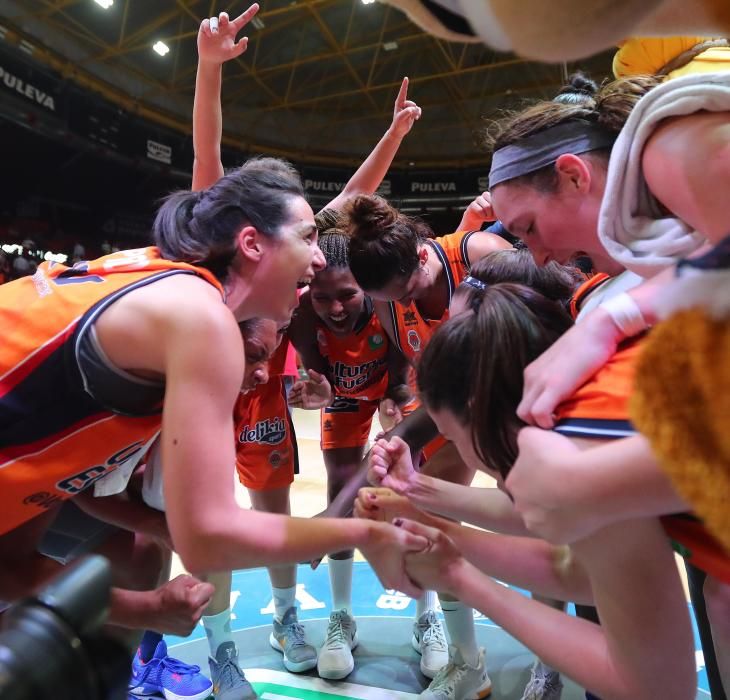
{"points": [[312, 393], [390, 465], [405, 112], [217, 36], [479, 211], [179, 605]]}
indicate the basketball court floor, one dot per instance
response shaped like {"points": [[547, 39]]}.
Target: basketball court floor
{"points": [[386, 666]]}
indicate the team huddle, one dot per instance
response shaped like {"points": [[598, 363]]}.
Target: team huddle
{"points": [[559, 341]]}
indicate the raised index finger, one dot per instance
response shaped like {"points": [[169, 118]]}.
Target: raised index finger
{"points": [[245, 17], [402, 93]]}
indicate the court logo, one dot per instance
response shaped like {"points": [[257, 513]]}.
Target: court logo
{"points": [[265, 432], [414, 340]]}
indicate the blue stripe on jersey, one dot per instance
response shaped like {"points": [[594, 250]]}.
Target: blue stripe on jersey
{"points": [[595, 428]]}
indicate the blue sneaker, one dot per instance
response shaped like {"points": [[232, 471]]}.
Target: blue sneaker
{"points": [[171, 678]]}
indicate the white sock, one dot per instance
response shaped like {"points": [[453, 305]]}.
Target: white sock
{"points": [[341, 584], [284, 598], [217, 629], [460, 624], [427, 602]]}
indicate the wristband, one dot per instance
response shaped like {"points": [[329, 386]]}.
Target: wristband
{"points": [[626, 314]]}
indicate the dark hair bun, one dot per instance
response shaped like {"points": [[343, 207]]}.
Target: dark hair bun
{"points": [[579, 90], [368, 216]]}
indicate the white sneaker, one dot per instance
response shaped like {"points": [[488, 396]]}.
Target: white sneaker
{"points": [[335, 657], [430, 642], [459, 681], [544, 683]]}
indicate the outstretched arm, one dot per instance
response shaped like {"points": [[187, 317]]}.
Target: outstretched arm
{"points": [[370, 174], [216, 45], [628, 567]]}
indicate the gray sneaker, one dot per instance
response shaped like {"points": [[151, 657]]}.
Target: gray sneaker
{"points": [[544, 683], [229, 683], [430, 642], [459, 681], [288, 637], [335, 656]]}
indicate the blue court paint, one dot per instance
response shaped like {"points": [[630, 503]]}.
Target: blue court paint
{"points": [[252, 604]]}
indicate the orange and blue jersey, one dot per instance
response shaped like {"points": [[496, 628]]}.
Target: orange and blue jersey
{"points": [[600, 410], [357, 361], [411, 330], [56, 437]]}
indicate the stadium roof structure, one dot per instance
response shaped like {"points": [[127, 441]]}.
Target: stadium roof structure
{"points": [[317, 83]]}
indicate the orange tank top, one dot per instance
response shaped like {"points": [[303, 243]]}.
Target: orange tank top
{"points": [[411, 330], [56, 439], [358, 361]]}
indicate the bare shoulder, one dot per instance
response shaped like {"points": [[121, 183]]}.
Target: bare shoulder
{"points": [[482, 243], [143, 328]]}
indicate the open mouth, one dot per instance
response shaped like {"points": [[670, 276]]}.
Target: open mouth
{"points": [[305, 282]]}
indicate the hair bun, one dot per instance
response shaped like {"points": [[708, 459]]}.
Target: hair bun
{"points": [[368, 216], [579, 90]]}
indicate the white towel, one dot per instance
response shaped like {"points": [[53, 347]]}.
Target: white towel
{"points": [[630, 226]]}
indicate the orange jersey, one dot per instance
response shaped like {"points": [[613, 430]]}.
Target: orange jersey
{"points": [[411, 330], [600, 409], [56, 439], [357, 361]]}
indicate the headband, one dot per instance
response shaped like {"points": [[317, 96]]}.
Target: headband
{"points": [[543, 148]]}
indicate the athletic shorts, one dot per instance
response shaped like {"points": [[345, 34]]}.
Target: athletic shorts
{"points": [[346, 423], [266, 445]]}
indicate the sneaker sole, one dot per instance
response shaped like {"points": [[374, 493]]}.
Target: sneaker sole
{"points": [[169, 695], [339, 673], [290, 665], [426, 670]]}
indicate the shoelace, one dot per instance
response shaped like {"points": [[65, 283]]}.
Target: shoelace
{"points": [[538, 684], [177, 666], [229, 674], [447, 678], [295, 632], [433, 634], [336, 632]]}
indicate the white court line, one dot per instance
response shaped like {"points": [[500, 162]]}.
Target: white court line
{"points": [[352, 690]]}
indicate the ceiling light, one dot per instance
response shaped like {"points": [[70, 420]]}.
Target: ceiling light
{"points": [[258, 23], [161, 48], [390, 45], [106, 4], [368, 2]]}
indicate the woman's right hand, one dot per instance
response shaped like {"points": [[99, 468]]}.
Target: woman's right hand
{"points": [[218, 44], [390, 465], [550, 379]]}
